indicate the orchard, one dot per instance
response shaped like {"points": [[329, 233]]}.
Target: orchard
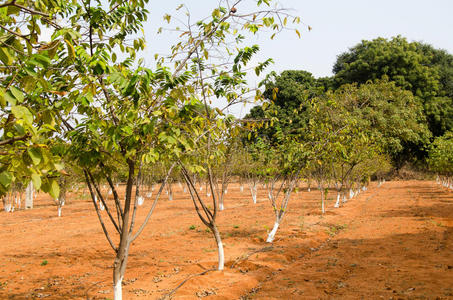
{"points": [[120, 181]]}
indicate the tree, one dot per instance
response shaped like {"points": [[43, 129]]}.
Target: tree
{"points": [[26, 118], [115, 114], [441, 158], [392, 115], [414, 66]]}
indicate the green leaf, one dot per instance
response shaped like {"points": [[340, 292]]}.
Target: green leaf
{"points": [[21, 112], [8, 96], [35, 155], [71, 51], [36, 181], [17, 93], [54, 190], [6, 178], [5, 56]]}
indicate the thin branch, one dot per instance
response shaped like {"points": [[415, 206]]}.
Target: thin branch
{"points": [[118, 229], [14, 139], [150, 212], [106, 233]]}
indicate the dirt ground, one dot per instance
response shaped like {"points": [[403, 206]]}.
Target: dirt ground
{"points": [[392, 242]]}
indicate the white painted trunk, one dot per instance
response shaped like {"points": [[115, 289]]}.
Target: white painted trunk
{"points": [[226, 192], [221, 206], [201, 188], [29, 196], [95, 199], [110, 192], [344, 199], [364, 188], [208, 194], [59, 211], [337, 204], [241, 188], [309, 190], [271, 236], [170, 197], [323, 207], [185, 189], [221, 255], [140, 200], [101, 206], [118, 290], [351, 194], [8, 207], [254, 198], [149, 194]]}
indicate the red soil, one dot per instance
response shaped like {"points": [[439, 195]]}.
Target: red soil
{"points": [[390, 242]]}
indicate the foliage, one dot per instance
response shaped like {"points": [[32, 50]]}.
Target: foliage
{"points": [[441, 154], [414, 66], [392, 116]]}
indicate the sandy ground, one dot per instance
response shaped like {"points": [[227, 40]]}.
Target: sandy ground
{"points": [[392, 242]]}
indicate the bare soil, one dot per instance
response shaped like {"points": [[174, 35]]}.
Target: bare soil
{"points": [[392, 242]]}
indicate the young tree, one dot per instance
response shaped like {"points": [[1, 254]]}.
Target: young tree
{"points": [[441, 158]]}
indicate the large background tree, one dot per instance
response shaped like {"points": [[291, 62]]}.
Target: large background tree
{"points": [[425, 71]]}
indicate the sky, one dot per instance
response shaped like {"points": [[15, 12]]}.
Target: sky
{"points": [[336, 27]]}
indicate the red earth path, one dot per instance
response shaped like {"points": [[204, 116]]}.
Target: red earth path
{"points": [[392, 242]]}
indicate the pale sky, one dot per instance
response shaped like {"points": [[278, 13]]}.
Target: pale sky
{"points": [[337, 26]]}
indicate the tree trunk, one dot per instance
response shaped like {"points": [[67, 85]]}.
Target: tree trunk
{"points": [[253, 192], [29, 196], [322, 200], [271, 236], [337, 204], [140, 200], [218, 240]]}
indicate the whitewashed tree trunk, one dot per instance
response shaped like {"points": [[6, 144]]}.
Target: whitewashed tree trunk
{"points": [[351, 193], [337, 204], [241, 188], [253, 191], [220, 252], [344, 199], [271, 236], [118, 290], [140, 200], [59, 211]]}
